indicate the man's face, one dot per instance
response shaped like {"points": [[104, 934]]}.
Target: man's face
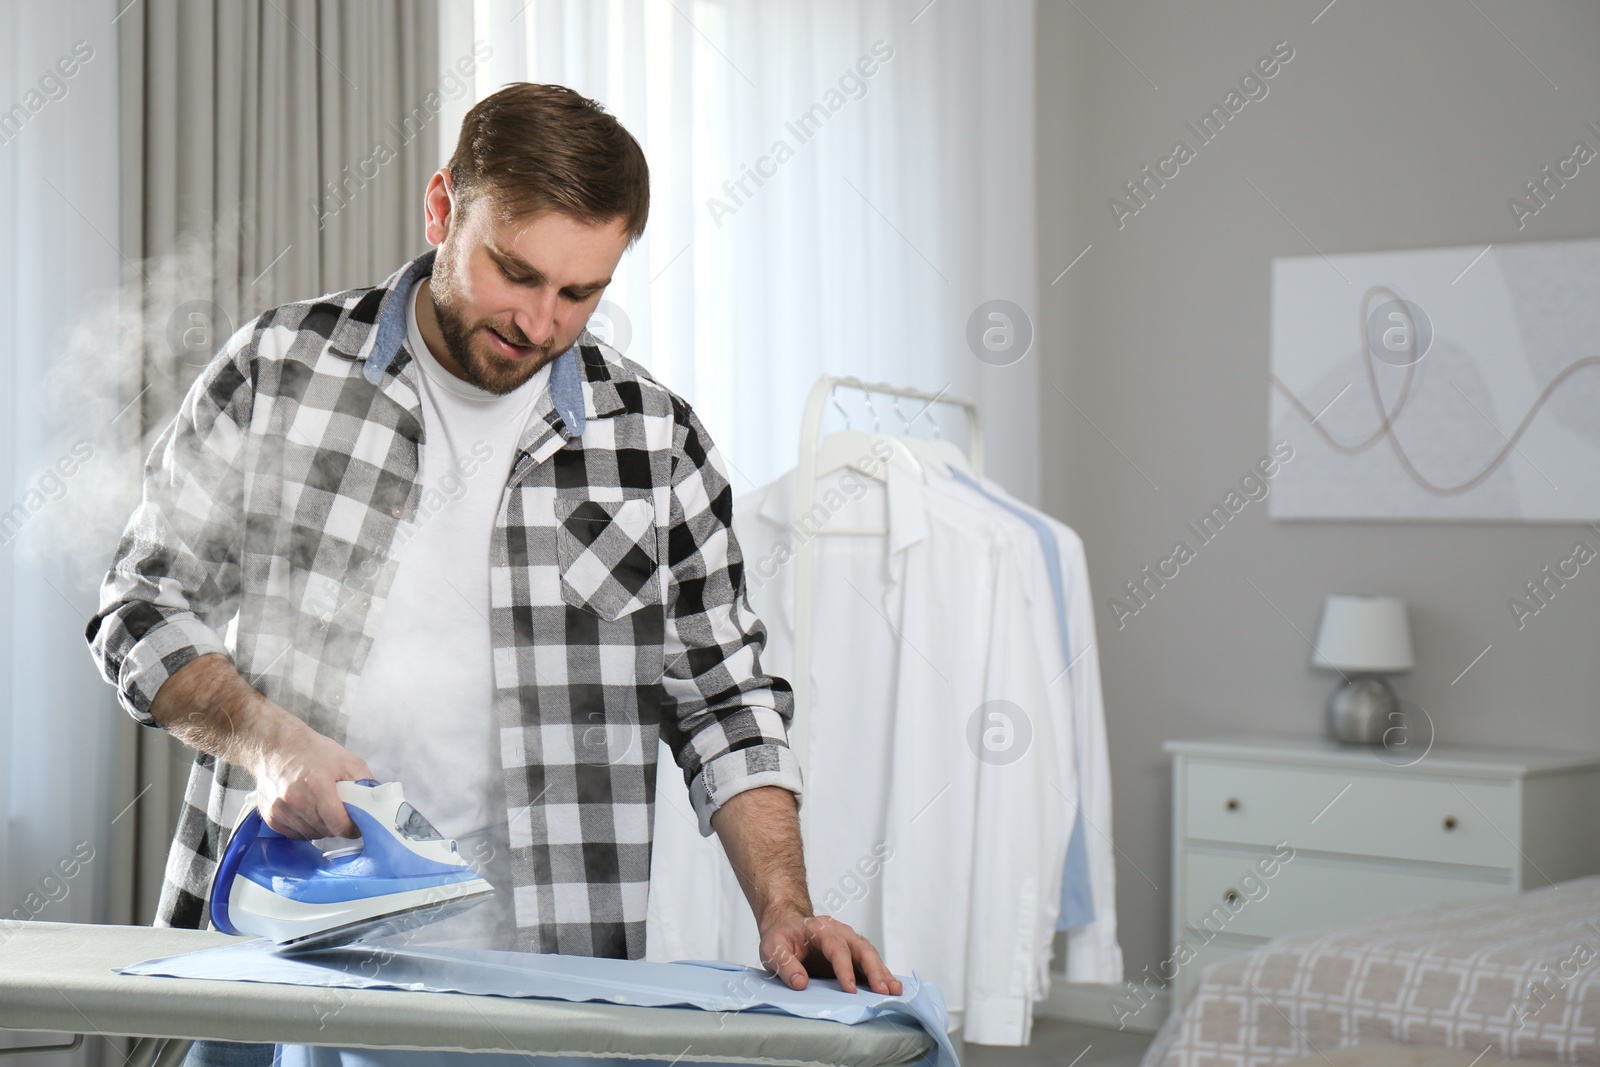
{"points": [[510, 296]]}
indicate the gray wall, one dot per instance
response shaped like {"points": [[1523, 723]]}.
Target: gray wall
{"points": [[1395, 125]]}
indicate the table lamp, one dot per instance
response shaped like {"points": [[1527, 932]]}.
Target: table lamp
{"points": [[1363, 637]]}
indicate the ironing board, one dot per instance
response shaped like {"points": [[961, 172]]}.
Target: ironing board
{"points": [[58, 977]]}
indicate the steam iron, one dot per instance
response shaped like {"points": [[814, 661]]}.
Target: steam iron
{"points": [[401, 874]]}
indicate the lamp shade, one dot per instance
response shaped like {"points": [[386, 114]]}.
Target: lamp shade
{"points": [[1363, 633]]}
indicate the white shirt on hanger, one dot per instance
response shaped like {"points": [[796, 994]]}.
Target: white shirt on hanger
{"points": [[1093, 952], [1020, 818]]}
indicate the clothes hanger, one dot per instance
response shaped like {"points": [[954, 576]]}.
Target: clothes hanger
{"points": [[934, 451], [868, 454]]}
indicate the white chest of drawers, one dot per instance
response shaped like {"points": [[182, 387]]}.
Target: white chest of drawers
{"points": [[1368, 834]]}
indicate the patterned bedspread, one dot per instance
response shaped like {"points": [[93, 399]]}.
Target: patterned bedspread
{"points": [[1516, 977]]}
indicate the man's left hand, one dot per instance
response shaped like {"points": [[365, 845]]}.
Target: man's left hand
{"points": [[823, 946]]}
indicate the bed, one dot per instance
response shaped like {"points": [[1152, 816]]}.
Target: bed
{"points": [[1515, 977]]}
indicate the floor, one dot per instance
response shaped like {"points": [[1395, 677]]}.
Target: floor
{"points": [[1062, 1044]]}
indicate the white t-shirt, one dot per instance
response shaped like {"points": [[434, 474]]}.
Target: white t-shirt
{"points": [[423, 713]]}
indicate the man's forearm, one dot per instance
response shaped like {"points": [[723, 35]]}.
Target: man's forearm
{"points": [[760, 832], [207, 705]]}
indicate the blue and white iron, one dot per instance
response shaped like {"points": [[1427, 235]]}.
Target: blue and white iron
{"points": [[400, 874]]}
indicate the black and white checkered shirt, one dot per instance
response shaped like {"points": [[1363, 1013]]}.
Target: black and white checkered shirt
{"points": [[617, 599]]}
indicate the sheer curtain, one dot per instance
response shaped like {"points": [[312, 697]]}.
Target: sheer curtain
{"points": [[836, 187], [168, 168], [58, 227]]}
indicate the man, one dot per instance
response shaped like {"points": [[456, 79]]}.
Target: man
{"points": [[460, 544]]}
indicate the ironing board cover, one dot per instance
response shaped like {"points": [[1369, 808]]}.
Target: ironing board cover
{"points": [[703, 985]]}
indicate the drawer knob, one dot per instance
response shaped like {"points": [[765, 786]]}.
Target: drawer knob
{"points": [[1449, 822], [1230, 896], [1233, 804]]}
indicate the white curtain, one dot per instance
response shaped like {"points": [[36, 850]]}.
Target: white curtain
{"points": [[131, 136], [864, 237], [58, 258]]}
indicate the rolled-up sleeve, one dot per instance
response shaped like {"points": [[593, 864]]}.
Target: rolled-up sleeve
{"points": [[727, 721], [174, 580]]}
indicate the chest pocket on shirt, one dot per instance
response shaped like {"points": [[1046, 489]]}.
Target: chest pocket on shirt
{"points": [[607, 552]]}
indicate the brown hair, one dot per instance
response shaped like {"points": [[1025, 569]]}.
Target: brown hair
{"points": [[536, 147]]}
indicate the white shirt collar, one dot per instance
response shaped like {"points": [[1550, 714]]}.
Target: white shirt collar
{"points": [[906, 510]]}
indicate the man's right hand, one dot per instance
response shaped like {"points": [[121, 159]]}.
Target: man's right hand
{"points": [[208, 706], [297, 780]]}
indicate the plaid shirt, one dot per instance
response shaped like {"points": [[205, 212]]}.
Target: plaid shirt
{"points": [[617, 598]]}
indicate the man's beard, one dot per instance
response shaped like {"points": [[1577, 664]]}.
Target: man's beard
{"points": [[487, 370]]}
